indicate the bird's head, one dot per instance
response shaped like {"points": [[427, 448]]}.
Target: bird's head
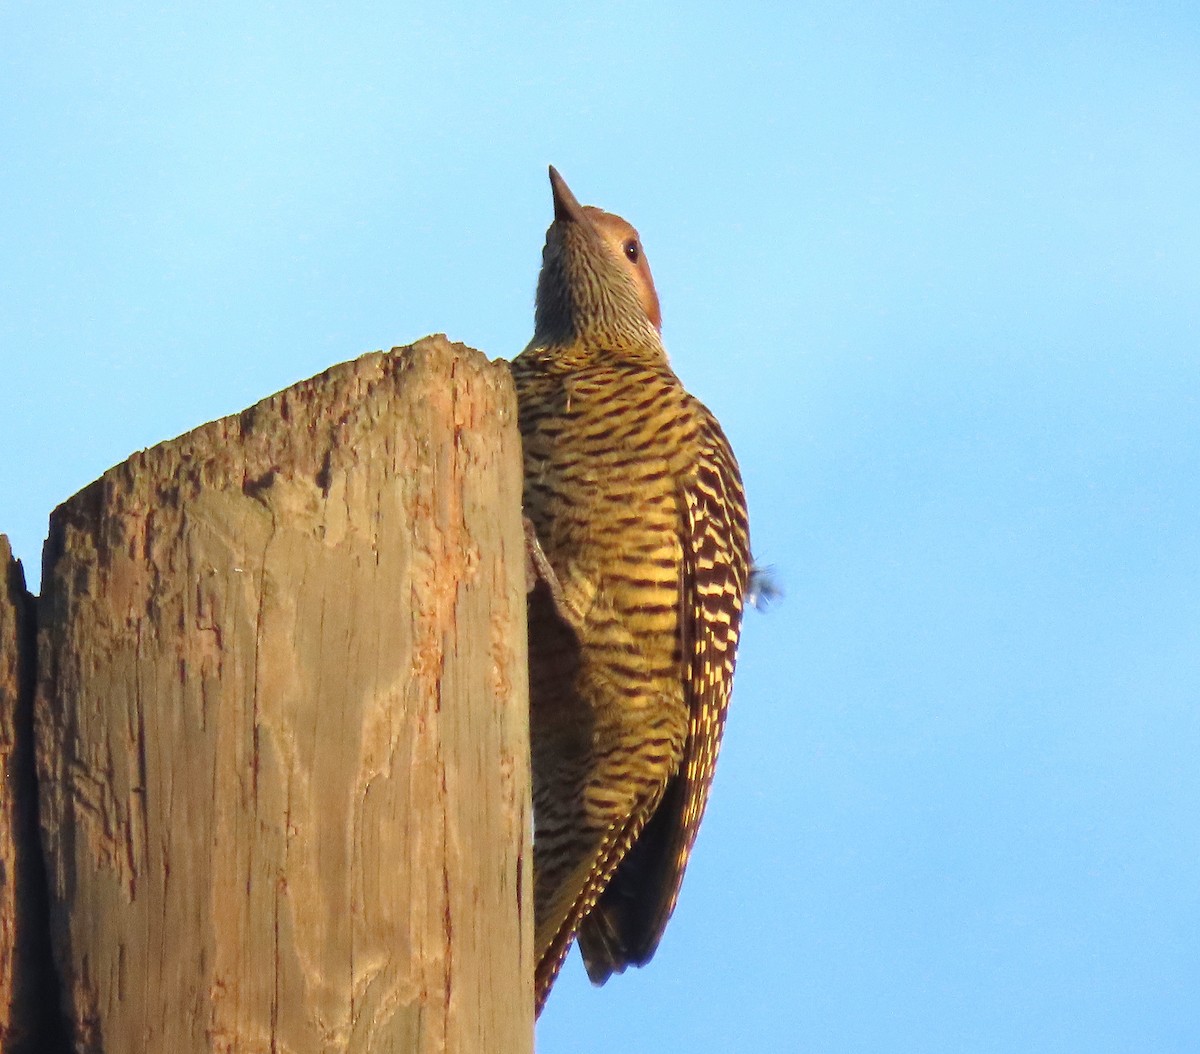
{"points": [[595, 282]]}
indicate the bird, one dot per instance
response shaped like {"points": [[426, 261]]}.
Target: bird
{"points": [[636, 518]]}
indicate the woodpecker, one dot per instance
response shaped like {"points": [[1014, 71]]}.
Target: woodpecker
{"points": [[638, 519]]}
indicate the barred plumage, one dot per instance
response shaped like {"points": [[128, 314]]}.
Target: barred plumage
{"points": [[635, 498]]}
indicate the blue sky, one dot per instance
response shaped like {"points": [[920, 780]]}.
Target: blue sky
{"points": [[935, 266]]}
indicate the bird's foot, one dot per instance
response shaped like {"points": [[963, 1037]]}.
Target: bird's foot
{"points": [[538, 569]]}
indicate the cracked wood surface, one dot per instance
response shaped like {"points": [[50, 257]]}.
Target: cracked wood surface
{"points": [[282, 725], [13, 691], [29, 1019]]}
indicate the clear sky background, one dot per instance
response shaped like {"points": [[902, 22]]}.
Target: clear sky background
{"points": [[935, 266]]}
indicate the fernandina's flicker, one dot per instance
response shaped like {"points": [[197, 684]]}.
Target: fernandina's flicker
{"points": [[635, 498]]}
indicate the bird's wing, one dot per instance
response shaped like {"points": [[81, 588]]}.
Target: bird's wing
{"points": [[631, 914]]}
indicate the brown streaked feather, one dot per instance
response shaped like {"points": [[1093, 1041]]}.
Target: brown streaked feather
{"points": [[612, 852], [637, 507], [627, 923]]}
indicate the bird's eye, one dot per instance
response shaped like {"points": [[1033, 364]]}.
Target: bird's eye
{"points": [[631, 250]]}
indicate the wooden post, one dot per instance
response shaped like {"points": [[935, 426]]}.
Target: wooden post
{"points": [[281, 725], [29, 1015]]}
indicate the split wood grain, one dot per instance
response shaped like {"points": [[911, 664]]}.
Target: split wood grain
{"points": [[282, 727], [30, 1022]]}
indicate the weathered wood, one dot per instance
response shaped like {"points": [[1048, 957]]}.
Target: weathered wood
{"points": [[282, 725], [29, 1017], [12, 661]]}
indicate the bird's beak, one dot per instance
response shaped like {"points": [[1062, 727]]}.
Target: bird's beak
{"points": [[566, 207]]}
